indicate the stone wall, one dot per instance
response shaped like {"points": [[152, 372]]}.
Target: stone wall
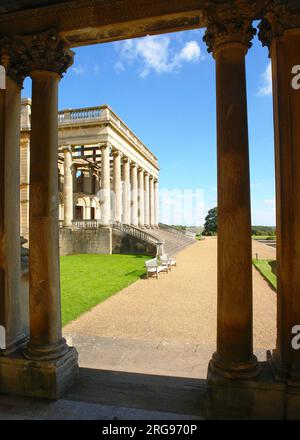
{"points": [[125, 244], [85, 241], [101, 241]]}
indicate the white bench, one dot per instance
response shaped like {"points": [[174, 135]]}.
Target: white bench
{"points": [[168, 261], [154, 267]]}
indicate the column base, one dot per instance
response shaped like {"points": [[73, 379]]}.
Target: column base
{"points": [[46, 352], [256, 398], [47, 379], [234, 370], [291, 377]]}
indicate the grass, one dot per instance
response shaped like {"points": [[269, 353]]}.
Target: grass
{"points": [[87, 280], [264, 237], [265, 268]]}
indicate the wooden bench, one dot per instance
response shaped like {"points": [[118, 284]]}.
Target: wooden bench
{"points": [[168, 261], [154, 267]]}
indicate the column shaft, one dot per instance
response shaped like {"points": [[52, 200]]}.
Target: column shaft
{"points": [[134, 195], [147, 201], [141, 201], [152, 202], [68, 187], [117, 186], [105, 185], [13, 305], [156, 203], [126, 191], [44, 280], [285, 55], [234, 357]]}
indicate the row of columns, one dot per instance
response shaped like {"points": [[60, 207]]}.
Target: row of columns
{"points": [[229, 33], [134, 191]]}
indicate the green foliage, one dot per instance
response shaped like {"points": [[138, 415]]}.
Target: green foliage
{"points": [[264, 231], [211, 223], [87, 280]]}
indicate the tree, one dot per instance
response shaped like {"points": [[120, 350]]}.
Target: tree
{"points": [[210, 225]]}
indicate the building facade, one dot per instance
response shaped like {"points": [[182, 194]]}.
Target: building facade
{"points": [[105, 173]]}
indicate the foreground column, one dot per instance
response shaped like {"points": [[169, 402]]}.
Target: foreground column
{"points": [[68, 186], [147, 200], [13, 302], [117, 185], [234, 357], [141, 202], [134, 199], [49, 58], [105, 185], [126, 191], [280, 31]]}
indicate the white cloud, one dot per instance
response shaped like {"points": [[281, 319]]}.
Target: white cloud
{"points": [[265, 88], [79, 70], [156, 54]]}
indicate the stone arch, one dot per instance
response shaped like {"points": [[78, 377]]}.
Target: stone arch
{"points": [[95, 208]]}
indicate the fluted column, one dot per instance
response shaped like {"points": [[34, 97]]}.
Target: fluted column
{"points": [[280, 31], [117, 185], [13, 305], [47, 59], [134, 195], [151, 201], [229, 43], [147, 200], [141, 202], [68, 186], [126, 190], [156, 203], [105, 185]]}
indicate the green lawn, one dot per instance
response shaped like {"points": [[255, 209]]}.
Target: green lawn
{"points": [[265, 268], [86, 280], [264, 237]]}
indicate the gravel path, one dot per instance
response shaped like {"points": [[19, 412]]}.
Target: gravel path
{"points": [[179, 306]]}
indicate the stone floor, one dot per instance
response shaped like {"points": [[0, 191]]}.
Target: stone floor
{"points": [[144, 352]]}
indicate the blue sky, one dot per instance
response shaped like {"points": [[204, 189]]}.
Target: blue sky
{"points": [[163, 87]]}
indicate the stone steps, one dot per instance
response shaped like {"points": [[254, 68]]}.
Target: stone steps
{"points": [[174, 243]]}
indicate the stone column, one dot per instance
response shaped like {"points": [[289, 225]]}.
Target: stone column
{"points": [[68, 186], [280, 31], [147, 200], [229, 43], [156, 203], [13, 304], [117, 185], [126, 190], [46, 58], [134, 194], [105, 185], [151, 199], [141, 201]]}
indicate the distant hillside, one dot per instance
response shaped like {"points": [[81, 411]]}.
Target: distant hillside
{"points": [[263, 230]]}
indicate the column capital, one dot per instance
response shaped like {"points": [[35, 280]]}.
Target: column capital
{"points": [[277, 19], [11, 59], [45, 51], [117, 153], [229, 23], [126, 159], [146, 174], [141, 169], [134, 165], [66, 148]]}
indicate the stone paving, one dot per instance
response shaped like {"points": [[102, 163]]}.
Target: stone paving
{"points": [[168, 326]]}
